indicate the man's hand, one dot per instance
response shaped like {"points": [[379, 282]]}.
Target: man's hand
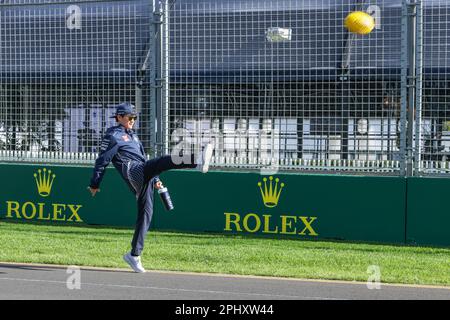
{"points": [[158, 185], [93, 191]]}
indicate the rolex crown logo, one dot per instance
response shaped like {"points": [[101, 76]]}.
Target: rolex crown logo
{"points": [[44, 181], [271, 193]]}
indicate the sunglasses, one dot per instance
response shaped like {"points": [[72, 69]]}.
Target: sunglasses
{"points": [[131, 117]]}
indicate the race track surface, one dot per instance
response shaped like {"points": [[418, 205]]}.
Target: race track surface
{"points": [[22, 281]]}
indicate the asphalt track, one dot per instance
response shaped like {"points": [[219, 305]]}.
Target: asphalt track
{"points": [[36, 282]]}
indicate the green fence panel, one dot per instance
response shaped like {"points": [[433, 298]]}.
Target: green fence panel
{"points": [[282, 205], [428, 220], [58, 194], [286, 205]]}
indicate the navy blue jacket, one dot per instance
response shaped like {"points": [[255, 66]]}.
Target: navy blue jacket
{"points": [[121, 146]]}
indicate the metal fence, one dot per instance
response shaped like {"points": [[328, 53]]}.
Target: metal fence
{"points": [[433, 106], [268, 82], [284, 82], [64, 65]]}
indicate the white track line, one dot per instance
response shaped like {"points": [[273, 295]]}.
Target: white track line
{"points": [[174, 289], [88, 268]]}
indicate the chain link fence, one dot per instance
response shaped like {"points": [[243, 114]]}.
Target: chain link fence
{"points": [[268, 82], [434, 91], [64, 66], [285, 82]]}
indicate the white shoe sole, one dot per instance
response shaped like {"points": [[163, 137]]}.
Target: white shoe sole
{"points": [[207, 154], [130, 263]]}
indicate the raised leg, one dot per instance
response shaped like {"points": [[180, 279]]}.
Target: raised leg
{"points": [[155, 167]]}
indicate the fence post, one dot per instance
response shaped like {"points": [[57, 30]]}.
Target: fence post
{"points": [[403, 88], [408, 87], [164, 53], [418, 93], [156, 80]]}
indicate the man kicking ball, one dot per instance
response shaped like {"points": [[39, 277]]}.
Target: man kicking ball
{"points": [[121, 146]]}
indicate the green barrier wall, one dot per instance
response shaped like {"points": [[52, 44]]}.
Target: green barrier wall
{"points": [[289, 205], [380, 209], [61, 196], [428, 220], [309, 206]]}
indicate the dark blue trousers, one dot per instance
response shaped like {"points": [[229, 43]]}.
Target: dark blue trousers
{"points": [[151, 169]]}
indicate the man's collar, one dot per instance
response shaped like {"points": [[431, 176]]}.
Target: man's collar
{"points": [[122, 128]]}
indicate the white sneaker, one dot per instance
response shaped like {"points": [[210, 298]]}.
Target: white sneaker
{"points": [[205, 158], [134, 262]]}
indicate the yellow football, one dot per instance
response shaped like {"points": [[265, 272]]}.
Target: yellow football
{"points": [[359, 22]]}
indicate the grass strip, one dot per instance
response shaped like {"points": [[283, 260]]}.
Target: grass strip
{"points": [[230, 254]]}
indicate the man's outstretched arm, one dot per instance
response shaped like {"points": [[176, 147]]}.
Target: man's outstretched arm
{"points": [[108, 150]]}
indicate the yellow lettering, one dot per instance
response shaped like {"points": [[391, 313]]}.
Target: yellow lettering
{"points": [[10, 209], [74, 208], [308, 226], [285, 224], [228, 221], [267, 225], [24, 210], [257, 220], [29, 211], [57, 211], [41, 212]]}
